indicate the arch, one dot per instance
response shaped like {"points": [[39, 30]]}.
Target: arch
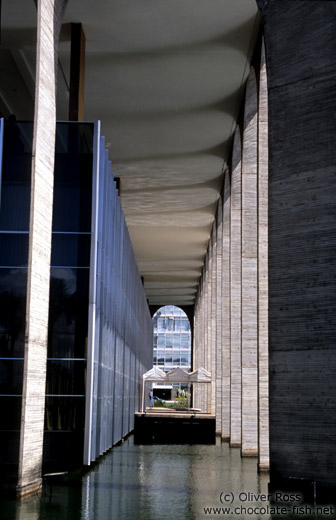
{"points": [[171, 338]]}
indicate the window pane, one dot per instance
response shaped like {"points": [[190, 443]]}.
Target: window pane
{"points": [[10, 417], [66, 377], [13, 288], [64, 413], [73, 178], [16, 173], [68, 313], [11, 375], [70, 250], [14, 249]]}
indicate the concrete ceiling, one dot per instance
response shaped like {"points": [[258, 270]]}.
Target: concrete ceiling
{"points": [[166, 79]]}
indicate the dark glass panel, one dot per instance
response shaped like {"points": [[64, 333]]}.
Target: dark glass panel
{"points": [[176, 360], [13, 289], [74, 138], [66, 377], [10, 416], [64, 413], [73, 178], [14, 249], [70, 250], [11, 376], [68, 313], [16, 174]]}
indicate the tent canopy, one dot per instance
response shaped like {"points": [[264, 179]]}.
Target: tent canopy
{"points": [[177, 375], [155, 374]]}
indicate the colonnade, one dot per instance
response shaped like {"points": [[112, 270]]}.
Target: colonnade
{"points": [[231, 311]]}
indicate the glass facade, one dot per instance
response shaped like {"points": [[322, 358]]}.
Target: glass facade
{"points": [[15, 161], [69, 284], [100, 329], [172, 338]]}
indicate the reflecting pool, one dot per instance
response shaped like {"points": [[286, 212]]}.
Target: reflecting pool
{"points": [[152, 482]]}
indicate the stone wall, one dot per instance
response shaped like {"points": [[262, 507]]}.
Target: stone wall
{"points": [[300, 39]]}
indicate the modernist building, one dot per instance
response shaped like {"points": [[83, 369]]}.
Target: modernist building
{"points": [[219, 120], [171, 345]]}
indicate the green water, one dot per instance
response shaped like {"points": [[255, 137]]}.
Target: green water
{"points": [[157, 482]]}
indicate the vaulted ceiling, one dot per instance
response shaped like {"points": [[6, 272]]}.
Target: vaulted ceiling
{"points": [[166, 79]]}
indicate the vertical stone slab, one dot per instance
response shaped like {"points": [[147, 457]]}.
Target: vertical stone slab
{"points": [[49, 16], [226, 346], [213, 318], [209, 331], [250, 272], [235, 281], [218, 372], [300, 41], [263, 267]]}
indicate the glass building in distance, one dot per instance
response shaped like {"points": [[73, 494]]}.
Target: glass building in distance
{"points": [[172, 343]]}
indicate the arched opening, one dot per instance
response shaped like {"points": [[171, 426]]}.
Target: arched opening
{"points": [[171, 348]]}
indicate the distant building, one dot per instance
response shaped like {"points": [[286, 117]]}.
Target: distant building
{"points": [[172, 344]]}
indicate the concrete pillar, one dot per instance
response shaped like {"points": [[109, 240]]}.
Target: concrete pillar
{"points": [[300, 41], [219, 266], [226, 347], [49, 18], [235, 281], [209, 325], [263, 267], [250, 272], [213, 317]]}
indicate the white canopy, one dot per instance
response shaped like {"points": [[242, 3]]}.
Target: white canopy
{"points": [[200, 376], [155, 374], [178, 375]]}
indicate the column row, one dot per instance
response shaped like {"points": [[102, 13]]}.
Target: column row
{"points": [[231, 311]]}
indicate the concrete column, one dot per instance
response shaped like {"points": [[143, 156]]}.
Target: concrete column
{"points": [[300, 41], [49, 19], [235, 281], [213, 317], [209, 326], [250, 272], [218, 372], [263, 267], [226, 347]]}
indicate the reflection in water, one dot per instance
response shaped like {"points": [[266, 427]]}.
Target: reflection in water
{"points": [[169, 482]]}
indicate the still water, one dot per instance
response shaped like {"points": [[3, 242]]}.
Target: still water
{"points": [[156, 482]]}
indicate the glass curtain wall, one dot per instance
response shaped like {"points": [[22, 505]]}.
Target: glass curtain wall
{"points": [[69, 293], [100, 329], [172, 338], [15, 158]]}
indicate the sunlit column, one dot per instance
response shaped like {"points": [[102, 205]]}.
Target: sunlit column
{"points": [[235, 282], [226, 368], [218, 372], [263, 267], [250, 272], [49, 19]]}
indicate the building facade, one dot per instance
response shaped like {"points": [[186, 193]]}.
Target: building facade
{"points": [[99, 344], [264, 311]]}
